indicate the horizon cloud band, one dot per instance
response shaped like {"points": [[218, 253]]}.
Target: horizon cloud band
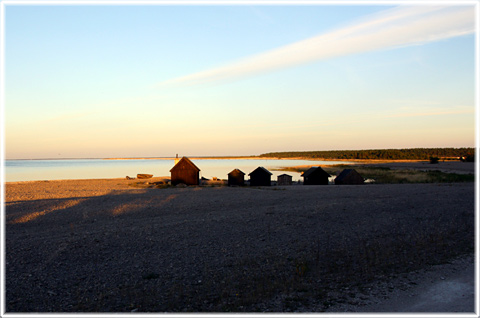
{"points": [[398, 27]]}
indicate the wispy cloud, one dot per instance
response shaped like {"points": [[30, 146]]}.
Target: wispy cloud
{"points": [[398, 27]]}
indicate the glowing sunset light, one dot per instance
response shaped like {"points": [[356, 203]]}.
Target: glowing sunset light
{"points": [[155, 80]]}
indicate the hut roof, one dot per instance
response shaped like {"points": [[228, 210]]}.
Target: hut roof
{"points": [[284, 175], [262, 169], [345, 173], [185, 161], [314, 169], [236, 171]]}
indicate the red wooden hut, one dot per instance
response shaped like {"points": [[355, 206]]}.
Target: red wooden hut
{"points": [[185, 171]]}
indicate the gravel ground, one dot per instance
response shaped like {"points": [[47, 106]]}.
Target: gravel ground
{"points": [[105, 246], [445, 288]]}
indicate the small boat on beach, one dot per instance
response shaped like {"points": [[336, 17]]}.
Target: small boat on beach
{"points": [[144, 176]]}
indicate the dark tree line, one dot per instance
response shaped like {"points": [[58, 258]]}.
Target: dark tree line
{"points": [[392, 154]]}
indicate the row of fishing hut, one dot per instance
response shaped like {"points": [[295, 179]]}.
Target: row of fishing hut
{"points": [[186, 172]]}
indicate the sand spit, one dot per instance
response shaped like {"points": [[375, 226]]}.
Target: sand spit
{"points": [[103, 245], [445, 166]]}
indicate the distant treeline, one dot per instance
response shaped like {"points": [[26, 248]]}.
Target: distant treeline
{"points": [[393, 154]]}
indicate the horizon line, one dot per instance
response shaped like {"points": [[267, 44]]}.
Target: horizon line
{"points": [[231, 156]]}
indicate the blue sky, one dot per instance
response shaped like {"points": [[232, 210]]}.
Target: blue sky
{"points": [[143, 80]]}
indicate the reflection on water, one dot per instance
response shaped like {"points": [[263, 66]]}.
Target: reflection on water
{"points": [[27, 170]]}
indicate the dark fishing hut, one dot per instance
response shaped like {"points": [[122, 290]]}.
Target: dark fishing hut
{"points": [[284, 179], [315, 176], [186, 172], [236, 178], [260, 177], [349, 176]]}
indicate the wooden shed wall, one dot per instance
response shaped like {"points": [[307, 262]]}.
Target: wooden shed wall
{"points": [[183, 172], [259, 178], [189, 177], [318, 177], [236, 178], [284, 180], [352, 178]]}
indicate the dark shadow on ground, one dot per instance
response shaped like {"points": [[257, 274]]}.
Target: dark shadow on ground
{"points": [[223, 249]]}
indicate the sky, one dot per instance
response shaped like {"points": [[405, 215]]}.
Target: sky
{"points": [[96, 81]]}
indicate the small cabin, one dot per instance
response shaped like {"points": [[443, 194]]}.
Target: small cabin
{"points": [[260, 177], [185, 171], [315, 176], [236, 178], [284, 179], [349, 176]]}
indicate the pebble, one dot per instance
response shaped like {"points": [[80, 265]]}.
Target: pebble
{"points": [[96, 273]]}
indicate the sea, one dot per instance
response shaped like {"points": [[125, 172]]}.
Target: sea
{"points": [[61, 169]]}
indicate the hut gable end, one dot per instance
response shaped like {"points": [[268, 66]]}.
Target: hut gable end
{"points": [[236, 178], [349, 176], [260, 170], [236, 172], [185, 164], [260, 177]]}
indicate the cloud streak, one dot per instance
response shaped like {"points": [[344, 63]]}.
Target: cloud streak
{"points": [[433, 113], [398, 27]]}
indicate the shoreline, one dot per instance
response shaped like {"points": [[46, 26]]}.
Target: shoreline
{"points": [[236, 158], [417, 165], [156, 178]]}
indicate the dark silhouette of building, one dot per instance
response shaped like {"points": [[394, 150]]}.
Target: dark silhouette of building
{"points": [[185, 172], [349, 176], [236, 178], [260, 177], [284, 179], [315, 176]]}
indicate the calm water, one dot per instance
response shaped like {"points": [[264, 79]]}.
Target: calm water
{"points": [[29, 170]]}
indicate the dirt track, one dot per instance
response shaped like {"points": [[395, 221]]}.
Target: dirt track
{"points": [[100, 245]]}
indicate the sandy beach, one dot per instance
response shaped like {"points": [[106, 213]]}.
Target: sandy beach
{"points": [[103, 245]]}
